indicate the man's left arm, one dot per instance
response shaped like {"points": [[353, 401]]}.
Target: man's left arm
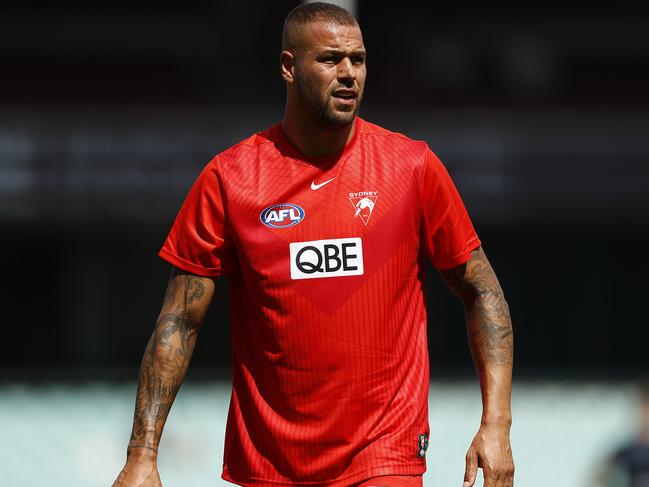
{"points": [[489, 330]]}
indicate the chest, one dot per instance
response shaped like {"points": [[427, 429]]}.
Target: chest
{"points": [[293, 221]]}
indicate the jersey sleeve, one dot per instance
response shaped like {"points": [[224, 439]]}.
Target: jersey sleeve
{"points": [[448, 234], [199, 241]]}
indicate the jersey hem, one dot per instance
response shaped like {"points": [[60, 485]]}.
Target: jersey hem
{"points": [[361, 476], [188, 266]]}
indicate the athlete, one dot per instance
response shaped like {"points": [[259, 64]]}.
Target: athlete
{"points": [[323, 222]]}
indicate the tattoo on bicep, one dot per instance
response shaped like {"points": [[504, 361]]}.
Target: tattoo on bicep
{"points": [[194, 289], [187, 287]]}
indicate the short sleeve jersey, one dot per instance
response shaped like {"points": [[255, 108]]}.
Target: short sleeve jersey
{"points": [[325, 255]]}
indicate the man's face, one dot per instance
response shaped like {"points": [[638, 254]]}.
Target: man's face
{"points": [[330, 71]]}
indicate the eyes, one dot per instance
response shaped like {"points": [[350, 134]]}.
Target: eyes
{"points": [[333, 59]]}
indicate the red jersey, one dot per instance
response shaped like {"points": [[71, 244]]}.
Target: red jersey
{"points": [[330, 357]]}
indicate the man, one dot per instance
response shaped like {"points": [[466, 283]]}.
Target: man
{"points": [[321, 222]]}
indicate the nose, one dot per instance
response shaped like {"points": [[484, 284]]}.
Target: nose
{"points": [[346, 71]]}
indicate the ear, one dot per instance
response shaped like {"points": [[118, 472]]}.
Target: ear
{"points": [[287, 66]]}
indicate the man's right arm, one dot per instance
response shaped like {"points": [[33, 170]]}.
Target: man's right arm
{"points": [[162, 370]]}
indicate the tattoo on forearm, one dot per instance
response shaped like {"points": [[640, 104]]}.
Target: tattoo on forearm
{"points": [[488, 319], [132, 447], [165, 361]]}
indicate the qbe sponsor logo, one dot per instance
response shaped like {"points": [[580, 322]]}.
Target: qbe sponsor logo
{"points": [[326, 258], [282, 215]]}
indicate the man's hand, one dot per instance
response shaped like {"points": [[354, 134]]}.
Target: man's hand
{"points": [[139, 471], [491, 451]]}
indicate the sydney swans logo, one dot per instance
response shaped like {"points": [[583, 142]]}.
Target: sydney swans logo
{"points": [[363, 203]]}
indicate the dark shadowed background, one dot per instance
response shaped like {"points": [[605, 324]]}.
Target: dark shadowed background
{"points": [[109, 110]]}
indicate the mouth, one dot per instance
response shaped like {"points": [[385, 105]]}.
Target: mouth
{"points": [[346, 97]]}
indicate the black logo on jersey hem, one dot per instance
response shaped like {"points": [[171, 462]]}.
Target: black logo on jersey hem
{"points": [[422, 445]]}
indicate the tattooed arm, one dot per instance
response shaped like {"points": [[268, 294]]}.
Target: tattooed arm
{"points": [[162, 370], [489, 329]]}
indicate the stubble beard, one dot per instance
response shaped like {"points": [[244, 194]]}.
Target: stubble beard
{"points": [[320, 105]]}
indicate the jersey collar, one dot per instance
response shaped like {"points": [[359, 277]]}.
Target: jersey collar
{"points": [[291, 151]]}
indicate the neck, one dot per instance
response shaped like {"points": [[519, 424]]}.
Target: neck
{"points": [[312, 138]]}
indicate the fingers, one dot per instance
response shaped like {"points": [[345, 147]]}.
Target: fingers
{"points": [[471, 470]]}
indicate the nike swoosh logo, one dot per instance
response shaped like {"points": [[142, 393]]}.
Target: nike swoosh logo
{"points": [[315, 186]]}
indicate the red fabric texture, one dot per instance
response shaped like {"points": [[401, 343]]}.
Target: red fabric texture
{"points": [[394, 481], [330, 374]]}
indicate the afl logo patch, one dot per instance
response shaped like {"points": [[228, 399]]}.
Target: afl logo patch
{"points": [[282, 216]]}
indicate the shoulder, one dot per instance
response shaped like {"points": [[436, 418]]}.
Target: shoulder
{"points": [[372, 131], [409, 154], [246, 149], [405, 153]]}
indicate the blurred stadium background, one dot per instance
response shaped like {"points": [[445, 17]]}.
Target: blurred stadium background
{"points": [[108, 111]]}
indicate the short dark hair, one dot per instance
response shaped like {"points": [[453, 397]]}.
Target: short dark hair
{"points": [[313, 12]]}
